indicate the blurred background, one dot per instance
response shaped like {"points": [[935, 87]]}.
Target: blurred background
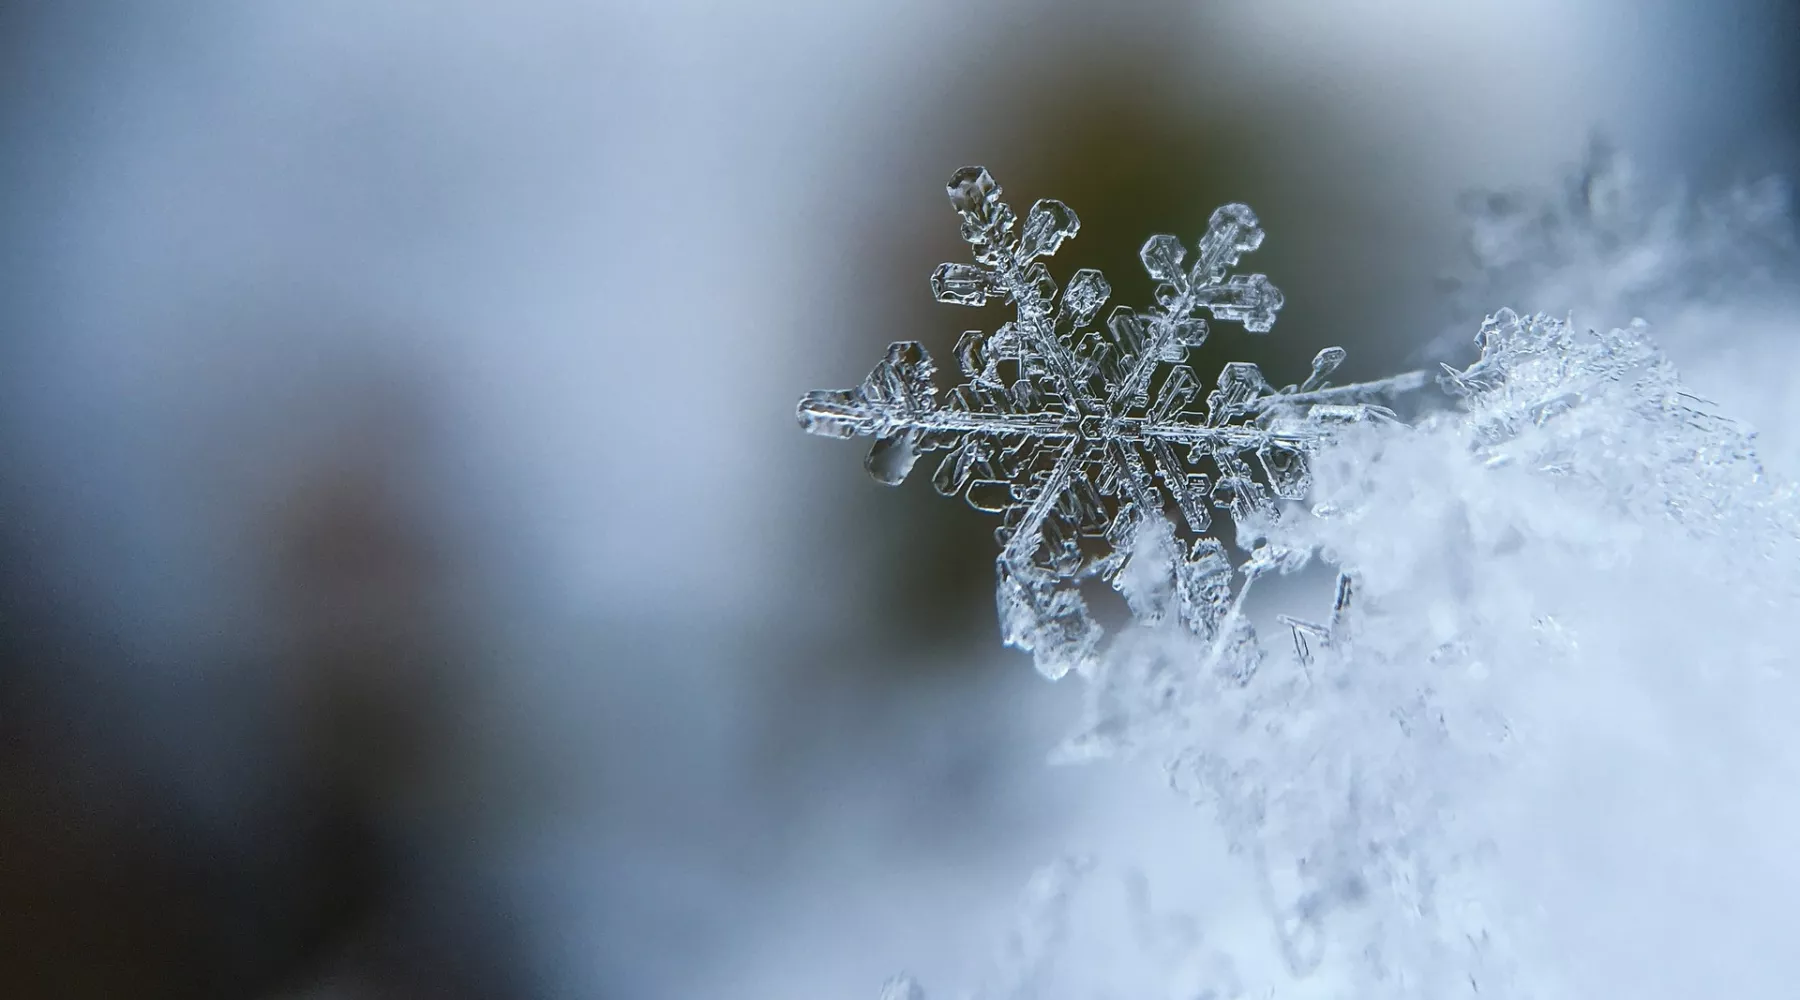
{"points": [[414, 582]]}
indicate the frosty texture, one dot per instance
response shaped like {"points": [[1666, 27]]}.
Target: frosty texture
{"points": [[1498, 616], [1541, 743], [902, 988], [1563, 400], [1077, 432], [1610, 246]]}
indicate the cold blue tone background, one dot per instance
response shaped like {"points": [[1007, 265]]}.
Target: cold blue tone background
{"points": [[415, 583]]}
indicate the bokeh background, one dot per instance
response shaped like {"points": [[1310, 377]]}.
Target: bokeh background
{"points": [[414, 582]]}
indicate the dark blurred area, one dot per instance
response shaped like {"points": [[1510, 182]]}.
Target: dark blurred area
{"points": [[414, 584]]}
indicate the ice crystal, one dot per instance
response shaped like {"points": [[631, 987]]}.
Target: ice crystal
{"points": [[1077, 433]]}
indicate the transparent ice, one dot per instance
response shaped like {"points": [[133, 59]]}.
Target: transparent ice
{"points": [[1078, 433]]}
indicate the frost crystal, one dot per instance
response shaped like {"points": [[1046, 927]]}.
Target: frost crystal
{"points": [[1075, 433]]}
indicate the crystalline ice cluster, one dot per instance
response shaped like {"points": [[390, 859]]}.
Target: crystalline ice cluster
{"points": [[1541, 745], [1595, 538], [1379, 787], [1715, 266], [1075, 433]]}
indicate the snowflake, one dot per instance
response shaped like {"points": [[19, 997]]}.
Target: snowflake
{"points": [[1077, 433]]}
